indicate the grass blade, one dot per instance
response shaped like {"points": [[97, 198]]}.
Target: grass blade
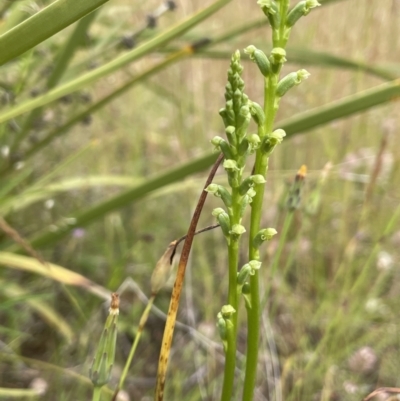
{"points": [[114, 65], [53, 272], [42, 25]]}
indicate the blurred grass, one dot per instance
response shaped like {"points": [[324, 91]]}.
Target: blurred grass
{"points": [[318, 317]]}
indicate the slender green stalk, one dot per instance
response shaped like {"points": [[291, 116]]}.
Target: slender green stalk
{"points": [[96, 393], [233, 257], [281, 21], [128, 363]]}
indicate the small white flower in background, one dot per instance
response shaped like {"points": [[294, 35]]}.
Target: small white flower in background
{"points": [[123, 396], [39, 385], [5, 151], [364, 361], [384, 261], [49, 204], [350, 388], [19, 165], [375, 305]]}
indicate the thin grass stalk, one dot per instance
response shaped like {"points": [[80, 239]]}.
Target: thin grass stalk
{"points": [[128, 363], [176, 292]]}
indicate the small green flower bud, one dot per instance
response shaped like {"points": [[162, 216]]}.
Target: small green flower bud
{"points": [[243, 149], [227, 311], [103, 361], [268, 144], [223, 220], [250, 182], [246, 200], [222, 146], [220, 192], [254, 265], [299, 10], [278, 56], [243, 274], [292, 79], [230, 133], [231, 165], [270, 9], [243, 122], [263, 235], [254, 142], [221, 324], [259, 57], [228, 117], [257, 113], [237, 230]]}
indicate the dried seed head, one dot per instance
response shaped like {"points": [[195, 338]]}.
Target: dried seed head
{"points": [[162, 270], [114, 306]]}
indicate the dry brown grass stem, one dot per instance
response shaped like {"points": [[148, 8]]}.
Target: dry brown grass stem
{"points": [[176, 292]]}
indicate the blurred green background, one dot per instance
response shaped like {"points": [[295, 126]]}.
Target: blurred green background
{"points": [[331, 276]]}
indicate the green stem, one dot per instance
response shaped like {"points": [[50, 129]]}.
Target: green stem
{"points": [[233, 255], [128, 363], [96, 393], [253, 312]]}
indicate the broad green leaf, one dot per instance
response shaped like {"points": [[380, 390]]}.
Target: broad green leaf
{"points": [[114, 65], [42, 25]]}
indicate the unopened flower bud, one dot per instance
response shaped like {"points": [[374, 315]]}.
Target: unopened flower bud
{"points": [[299, 10], [292, 79], [103, 361], [230, 133], [223, 220], [222, 146], [257, 113], [259, 57], [243, 274]]}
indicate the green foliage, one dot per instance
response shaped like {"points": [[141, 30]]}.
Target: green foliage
{"points": [[102, 193]]}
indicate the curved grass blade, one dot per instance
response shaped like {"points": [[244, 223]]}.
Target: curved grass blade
{"points": [[53, 272], [42, 25], [114, 65]]}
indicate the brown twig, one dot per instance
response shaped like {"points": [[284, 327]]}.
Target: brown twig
{"points": [[16, 237], [393, 390], [176, 292]]}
